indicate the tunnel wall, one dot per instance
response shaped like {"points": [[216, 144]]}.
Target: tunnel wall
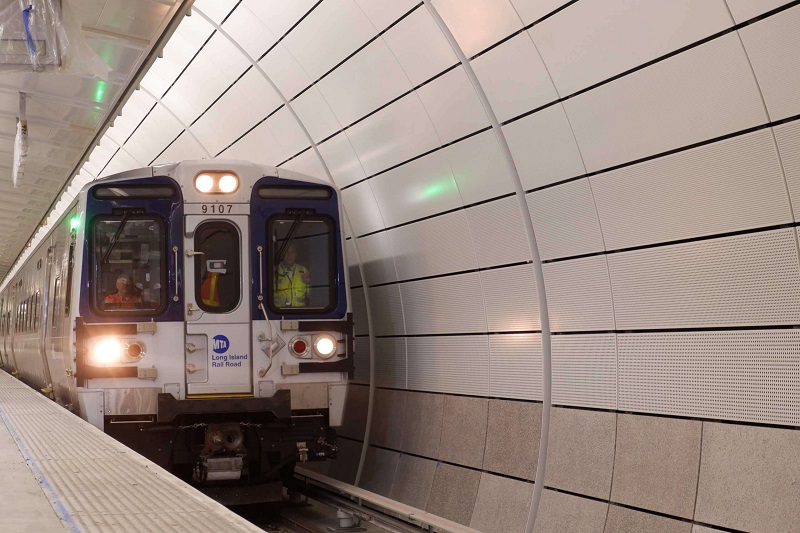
{"points": [[659, 150]]}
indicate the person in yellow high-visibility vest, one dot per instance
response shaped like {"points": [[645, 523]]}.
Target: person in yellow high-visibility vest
{"points": [[292, 281]]}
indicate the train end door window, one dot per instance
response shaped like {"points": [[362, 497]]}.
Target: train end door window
{"points": [[216, 267], [302, 261], [129, 264]]}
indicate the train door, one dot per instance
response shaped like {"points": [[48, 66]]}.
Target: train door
{"points": [[218, 338]]}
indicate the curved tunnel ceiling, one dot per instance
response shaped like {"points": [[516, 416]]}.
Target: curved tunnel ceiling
{"points": [[658, 147]]}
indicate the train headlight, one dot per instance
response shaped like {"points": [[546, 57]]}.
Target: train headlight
{"points": [[204, 183], [107, 352], [216, 182], [325, 346], [228, 183]]}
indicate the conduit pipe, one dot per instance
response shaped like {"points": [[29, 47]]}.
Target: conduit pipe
{"points": [[314, 146], [544, 317]]}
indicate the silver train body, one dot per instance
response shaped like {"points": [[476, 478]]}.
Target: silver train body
{"points": [[163, 309]]}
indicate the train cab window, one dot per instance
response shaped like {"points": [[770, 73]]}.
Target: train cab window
{"points": [[128, 264], [217, 272], [303, 263]]}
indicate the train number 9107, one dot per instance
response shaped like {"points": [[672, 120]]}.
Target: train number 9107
{"points": [[217, 208]]}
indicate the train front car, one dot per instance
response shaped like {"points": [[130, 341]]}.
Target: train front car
{"points": [[214, 321]]}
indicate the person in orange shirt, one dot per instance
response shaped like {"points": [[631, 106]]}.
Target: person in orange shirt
{"points": [[125, 297]]}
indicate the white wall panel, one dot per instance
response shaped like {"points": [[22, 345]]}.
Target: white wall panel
{"points": [[352, 263], [565, 220], [418, 189], [363, 210], [359, 308], [153, 135], [788, 139], [331, 32], [101, 155], [702, 93], [217, 10], [284, 71], [287, 131], [378, 260], [387, 310], [384, 12], [316, 114], [184, 147], [479, 168], [477, 24], [585, 370], [514, 78], [393, 135], [419, 46], [453, 106], [498, 232], [750, 376], [342, 161], [361, 361], [730, 185], [250, 100], [136, 108], [744, 280], [435, 246], [258, 146], [515, 366], [773, 47], [579, 295], [249, 31], [544, 148], [390, 363], [307, 163], [451, 304], [121, 162], [279, 15], [743, 10], [179, 50], [594, 40], [458, 365], [532, 10], [353, 89], [510, 299], [217, 65]]}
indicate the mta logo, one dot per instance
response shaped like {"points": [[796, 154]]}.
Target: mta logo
{"points": [[221, 344]]}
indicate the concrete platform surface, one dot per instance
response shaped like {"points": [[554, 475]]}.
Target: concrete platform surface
{"points": [[60, 473]]}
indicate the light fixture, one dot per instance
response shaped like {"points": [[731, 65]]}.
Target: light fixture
{"points": [[325, 346], [216, 182], [204, 183], [228, 183], [107, 352], [298, 347]]}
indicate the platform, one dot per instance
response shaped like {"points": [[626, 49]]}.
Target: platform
{"points": [[60, 473]]}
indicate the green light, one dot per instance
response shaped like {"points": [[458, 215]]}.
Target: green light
{"points": [[437, 188], [74, 223], [99, 91]]}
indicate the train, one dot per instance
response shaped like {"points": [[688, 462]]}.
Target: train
{"points": [[198, 312]]}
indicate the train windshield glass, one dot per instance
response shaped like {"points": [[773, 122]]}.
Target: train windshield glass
{"points": [[302, 259], [129, 264]]}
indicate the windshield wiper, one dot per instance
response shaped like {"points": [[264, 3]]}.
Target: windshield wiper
{"points": [[113, 241], [289, 237]]}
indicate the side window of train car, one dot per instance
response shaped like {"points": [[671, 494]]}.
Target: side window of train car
{"points": [[128, 264], [56, 301], [302, 260], [217, 272]]}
